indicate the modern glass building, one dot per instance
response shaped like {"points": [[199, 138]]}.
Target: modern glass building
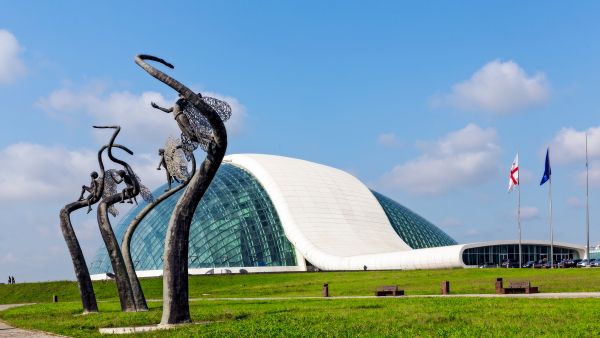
{"points": [[495, 254], [272, 213]]}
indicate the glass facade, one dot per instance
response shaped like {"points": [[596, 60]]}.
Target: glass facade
{"points": [[414, 230], [496, 254], [235, 224]]}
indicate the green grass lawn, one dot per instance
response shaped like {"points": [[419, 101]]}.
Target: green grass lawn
{"points": [[310, 284], [330, 317], [336, 317]]}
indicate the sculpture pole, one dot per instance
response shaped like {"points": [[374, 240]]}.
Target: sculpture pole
{"points": [[175, 265], [138, 293], [112, 246], [86, 288]]}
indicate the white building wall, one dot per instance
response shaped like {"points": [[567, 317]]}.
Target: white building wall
{"points": [[325, 212]]}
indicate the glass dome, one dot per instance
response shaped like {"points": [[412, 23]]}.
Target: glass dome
{"points": [[414, 230], [235, 224]]}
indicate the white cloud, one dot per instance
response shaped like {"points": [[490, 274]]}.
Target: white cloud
{"points": [[594, 175], [498, 87], [389, 140], [568, 145], [36, 172], [529, 213], [144, 127], [11, 66], [468, 156]]}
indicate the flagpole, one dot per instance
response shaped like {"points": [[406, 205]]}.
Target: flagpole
{"points": [[551, 226], [519, 218], [587, 204]]}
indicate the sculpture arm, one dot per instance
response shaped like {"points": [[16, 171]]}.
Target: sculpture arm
{"points": [[117, 179], [166, 110]]}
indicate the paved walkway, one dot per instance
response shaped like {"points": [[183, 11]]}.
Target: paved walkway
{"points": [[9, 331]]}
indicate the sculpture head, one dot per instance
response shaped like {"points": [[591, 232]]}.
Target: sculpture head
{"points": [[94, 175], [122, 173], [161, 152]]}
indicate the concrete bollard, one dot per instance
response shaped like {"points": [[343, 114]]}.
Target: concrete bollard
{"points": [[445, 287], [54, 299], [325, 290]]}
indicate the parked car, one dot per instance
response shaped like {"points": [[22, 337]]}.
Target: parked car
{"points": [[509, 264], [539, 264], [548, 265], [568, 263], [583, 263], [595, 263], [487, 265], [575, 261], [529, 264]]}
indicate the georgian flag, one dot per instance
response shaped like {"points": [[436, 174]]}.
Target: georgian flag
{"points": [[513, 177]]}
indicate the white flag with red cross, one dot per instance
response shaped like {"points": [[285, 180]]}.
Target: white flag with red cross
{"points": [[513, 177]]}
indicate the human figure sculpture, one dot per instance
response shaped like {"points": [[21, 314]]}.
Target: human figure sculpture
{"points": [[182, 120], [129, 189], [92, 190], [163, 163]]}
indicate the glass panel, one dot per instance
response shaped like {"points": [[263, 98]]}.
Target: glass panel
{"points": [[235, 224], [414, 230]]}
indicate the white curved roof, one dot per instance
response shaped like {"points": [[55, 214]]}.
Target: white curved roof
{"points": [[333, 219], [324, 211]]}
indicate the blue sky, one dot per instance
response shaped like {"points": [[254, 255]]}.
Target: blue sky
{"points": [[426, 103]]}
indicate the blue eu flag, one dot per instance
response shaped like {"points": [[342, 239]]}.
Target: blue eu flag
{"points": [[547, 170]]}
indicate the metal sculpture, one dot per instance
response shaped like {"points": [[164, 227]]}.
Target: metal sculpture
{"points": [[173, 160], [92, 189], [175, 260], [126, 242], [196, 131], [86, 289], [129, 293]]}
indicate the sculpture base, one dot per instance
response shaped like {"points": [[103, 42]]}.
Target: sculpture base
{"points": [[147, 328]]}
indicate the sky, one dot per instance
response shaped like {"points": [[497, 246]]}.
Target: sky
{"points": [[427, 103]]}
